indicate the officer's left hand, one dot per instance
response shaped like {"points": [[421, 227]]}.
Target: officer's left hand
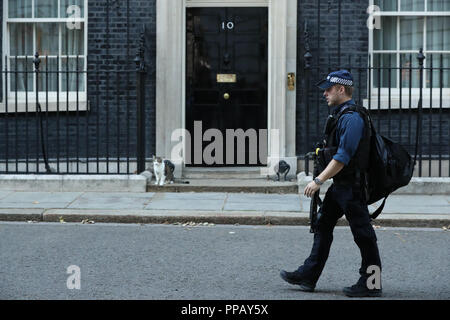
{"points": [[310, 189]]}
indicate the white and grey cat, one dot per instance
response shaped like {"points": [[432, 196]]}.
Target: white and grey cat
{"points": [[162, 170]]}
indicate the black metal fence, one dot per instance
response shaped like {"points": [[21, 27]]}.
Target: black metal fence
{"points": [[392, 95], [73, 119]]}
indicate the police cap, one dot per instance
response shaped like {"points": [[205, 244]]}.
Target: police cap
{"points": [[342, 77]]}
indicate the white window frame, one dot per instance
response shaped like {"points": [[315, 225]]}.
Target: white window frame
{"points": [[395, 90], [22, 97]]}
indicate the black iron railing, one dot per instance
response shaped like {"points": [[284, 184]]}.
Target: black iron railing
{"points": [[73, 119]]}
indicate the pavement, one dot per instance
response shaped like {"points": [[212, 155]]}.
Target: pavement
{"points": [[205, 207]]}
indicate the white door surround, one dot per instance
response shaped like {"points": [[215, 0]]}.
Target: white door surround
{"points": [[170, 75]]}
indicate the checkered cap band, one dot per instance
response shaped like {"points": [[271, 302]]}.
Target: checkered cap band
{"points": [[338, 80]]}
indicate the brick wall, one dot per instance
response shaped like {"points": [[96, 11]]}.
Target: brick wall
{"points": [[111, 47]]}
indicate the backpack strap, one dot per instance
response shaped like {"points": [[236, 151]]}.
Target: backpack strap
{"points": [[363, 112], [333, 120], [377, 212]]}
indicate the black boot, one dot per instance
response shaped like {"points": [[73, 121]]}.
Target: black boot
{"points": [[360, 289], [307, 275], [297, 279]]}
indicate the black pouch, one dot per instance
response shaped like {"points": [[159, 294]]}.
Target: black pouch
{"points": [[325, 155], [329, 124]]}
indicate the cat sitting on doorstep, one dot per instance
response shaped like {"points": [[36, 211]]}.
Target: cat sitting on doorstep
{"points": [[162, 170]]}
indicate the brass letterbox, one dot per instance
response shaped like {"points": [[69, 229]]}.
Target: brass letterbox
{"points": [[226, 78]]}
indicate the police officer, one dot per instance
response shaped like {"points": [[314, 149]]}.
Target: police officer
{"points": [[350, 136]]}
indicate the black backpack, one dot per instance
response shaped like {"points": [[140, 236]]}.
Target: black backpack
{"points": [[390, 166]]}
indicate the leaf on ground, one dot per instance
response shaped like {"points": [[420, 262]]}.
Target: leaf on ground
{"points": [[399, 236]]}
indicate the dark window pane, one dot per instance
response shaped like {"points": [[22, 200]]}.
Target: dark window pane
{"points": [[386, 37], [435, 59], [438, 5], [47, 38], [412, 5], [46, 8], [72, 40], [411, 33], [385, 65], [438, 33], [387, 5], [20, 71], [407, 76], [48, 74], [70, 78], [19, 8], [21, 39]]}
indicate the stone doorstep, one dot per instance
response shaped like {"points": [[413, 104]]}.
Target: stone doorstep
{"points": [[287, 189]]}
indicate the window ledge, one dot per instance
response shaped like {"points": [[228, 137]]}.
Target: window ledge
{"points": [[394, 102], [83, 105]]}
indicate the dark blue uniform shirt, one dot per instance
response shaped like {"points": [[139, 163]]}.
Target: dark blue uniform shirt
{"points": [[350, 129]]}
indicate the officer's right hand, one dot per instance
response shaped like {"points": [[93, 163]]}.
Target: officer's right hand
{"points": [[310, 189]]}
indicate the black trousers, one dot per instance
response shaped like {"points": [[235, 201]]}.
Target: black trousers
{"points": [[340, 200]]}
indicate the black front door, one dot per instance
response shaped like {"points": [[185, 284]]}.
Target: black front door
{"points": [[226, 86]]}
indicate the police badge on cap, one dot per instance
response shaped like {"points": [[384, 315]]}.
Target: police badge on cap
{"points": [[342, 77]]}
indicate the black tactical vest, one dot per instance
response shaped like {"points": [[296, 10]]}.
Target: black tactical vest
{"points": [[353, 172]]}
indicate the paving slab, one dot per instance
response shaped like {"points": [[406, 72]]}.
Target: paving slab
{"points": [[43, 197], [261, 197], [398, 209], [43, 200], [109, 202], [263, 206], [414, 204], [185, 204], [4, 194], [31, 205], [418, 200]]}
